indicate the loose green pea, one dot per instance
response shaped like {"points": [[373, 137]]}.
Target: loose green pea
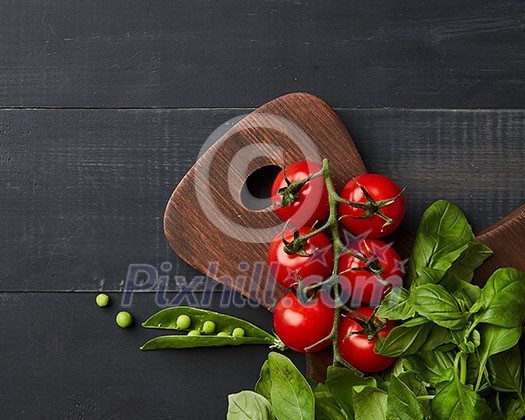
{"points": [[124, 319], [238, 332], [223, 334], [194, 332], [208, 327], [102, 300], [183, 322]]}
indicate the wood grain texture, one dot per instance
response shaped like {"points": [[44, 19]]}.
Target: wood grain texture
{"points": [[83, 192], [207, 224], [507, 239], [127, 53]]}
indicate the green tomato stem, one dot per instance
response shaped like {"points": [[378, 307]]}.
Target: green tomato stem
{"points": [[332, 224], [338, 246]]}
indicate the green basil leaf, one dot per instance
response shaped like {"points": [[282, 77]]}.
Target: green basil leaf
{"points": [[471, 258], [405, 339], [432, 367], [248, 405], [427, 275], [443, 236], [411, 380], [437, 336], [341, 381], [465, 293], [466, 344], [514, 410], [472, 368], [326, 406], [395, 305], [264, 384], [292, 397], [457, 401], [418, 387], [435, 303], [495, 339], [505, 371], [402, 403], [501, 301], [370, 403]]}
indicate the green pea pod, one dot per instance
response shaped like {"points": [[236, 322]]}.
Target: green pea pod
{"points": [[189, 342], [167, 319]]}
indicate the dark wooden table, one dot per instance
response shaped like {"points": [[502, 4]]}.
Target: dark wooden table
{"points": [[105, 106]]}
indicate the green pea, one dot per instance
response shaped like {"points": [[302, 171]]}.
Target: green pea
{"points": [[183, 322], [238, 332], [102, 300], [124, 319], [194, 332], [223, 334], [208, 327]]}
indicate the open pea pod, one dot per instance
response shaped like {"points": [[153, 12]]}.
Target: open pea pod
{"points": [[167, 319], [188, 342]]}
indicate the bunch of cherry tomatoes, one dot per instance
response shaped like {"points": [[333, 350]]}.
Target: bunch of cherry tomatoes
{"points": [[353, 280]]}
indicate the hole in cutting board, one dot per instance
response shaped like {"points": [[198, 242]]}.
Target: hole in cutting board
{"points": [[256, 191]]}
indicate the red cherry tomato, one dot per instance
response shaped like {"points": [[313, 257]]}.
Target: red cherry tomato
{"points": [[357, 279], [286, 268], [300, 326], [380, 188], [357, 349], [311, 204]]}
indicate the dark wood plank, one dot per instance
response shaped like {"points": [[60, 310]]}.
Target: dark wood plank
{"points": [[127, 53], [65, 358], [475, 159], [83, 192]]}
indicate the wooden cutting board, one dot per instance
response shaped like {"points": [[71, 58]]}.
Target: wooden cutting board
{"points": [[206, 222], [210, 225]]}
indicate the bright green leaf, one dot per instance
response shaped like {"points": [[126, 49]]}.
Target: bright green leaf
{"points": [[495, 339], [435, 303], [326, 406], [432, 367], [264, 384], [505, 372], [465, 293], [248, 405], [471, 258], [291, 395], [402, 403], [395, 305], [427, 275], [502, 301], [405, 339], [457, 401], [437, 336], [340, 382], [443, 236], [370, 403]]}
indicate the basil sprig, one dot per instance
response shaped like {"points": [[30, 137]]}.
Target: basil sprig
{"points": [[460, 346], [461, 340]]}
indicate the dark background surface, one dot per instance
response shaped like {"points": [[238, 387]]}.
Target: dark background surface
{"points": [[105, 106]]}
